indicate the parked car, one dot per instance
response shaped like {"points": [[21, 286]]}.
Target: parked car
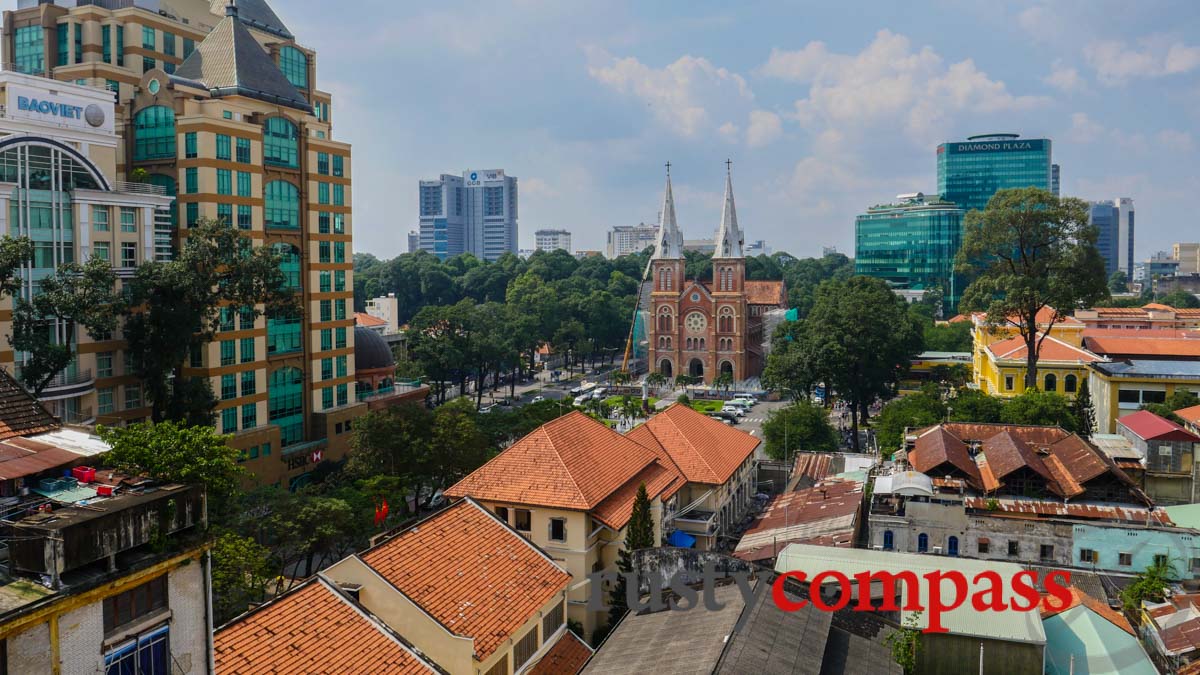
{"points": [[599, 393], [582, 399], [486, 409], [537, 399], [736, 404], [733, 410], [726, 417]]}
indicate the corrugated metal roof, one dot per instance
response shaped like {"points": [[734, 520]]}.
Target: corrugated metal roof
{"points": [[827, 512], [1050, 507], [1010, 626]]}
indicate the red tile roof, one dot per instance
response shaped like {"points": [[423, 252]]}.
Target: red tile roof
{"points": [[1190, 415], [938, 447], [704, 449], [312, 629], [1137, 346], [566, 657], [616, 510], [766, 293], [573, 462], [367, 321], [1149, 426], [470, 572], [20, 412], [1051, 349], [1051, 607]]}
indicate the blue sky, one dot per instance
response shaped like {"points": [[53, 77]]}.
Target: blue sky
{"points": [[824, 108]]}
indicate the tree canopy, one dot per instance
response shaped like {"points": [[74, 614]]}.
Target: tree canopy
{"points": [[1031, 255], [800, 427], [173, 452]]}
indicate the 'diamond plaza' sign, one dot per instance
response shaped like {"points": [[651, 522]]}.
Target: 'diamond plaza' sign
{"points": [[997, 146]]}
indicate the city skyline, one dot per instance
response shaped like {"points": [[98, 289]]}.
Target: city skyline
{"points": [[823, 113]]}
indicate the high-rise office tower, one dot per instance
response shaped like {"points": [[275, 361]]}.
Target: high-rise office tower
{"points": [[626, 239], [1055, 179], [220, 107], [475, 213], [912, 245], [971, 171], [1114, 219]]}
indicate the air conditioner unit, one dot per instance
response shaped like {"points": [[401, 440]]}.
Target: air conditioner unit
{"points": [[878, 547], [937, 550]]}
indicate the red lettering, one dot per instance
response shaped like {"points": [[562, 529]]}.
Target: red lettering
{"points": [[1026, 590], [936, 606], [1061, 592], [818, 597], [887, 583], [996, 591], [781, 598]]}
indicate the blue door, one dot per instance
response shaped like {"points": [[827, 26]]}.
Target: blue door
{"points": [[922, 543], [888, 540], [952, 546]]}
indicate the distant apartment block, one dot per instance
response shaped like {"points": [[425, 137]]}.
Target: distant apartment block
{"points": [[626, 239], [552, 240], [474, 213]]}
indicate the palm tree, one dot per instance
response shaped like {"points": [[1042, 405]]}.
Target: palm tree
{"points": [[723, 381], [656, 380]]}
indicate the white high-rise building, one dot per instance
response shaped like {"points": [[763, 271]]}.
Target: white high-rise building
{"points": [[1125, 232], [475, 213], [549, 240], [626, 239]]}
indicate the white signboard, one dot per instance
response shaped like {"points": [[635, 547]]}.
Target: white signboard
{"points": [[475, 178], [59, 108]]}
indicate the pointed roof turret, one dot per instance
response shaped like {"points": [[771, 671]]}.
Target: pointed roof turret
{"points": [[729, 239], [230, 62], [670, 239], [255, 14]]}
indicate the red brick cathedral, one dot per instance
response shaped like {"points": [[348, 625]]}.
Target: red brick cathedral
{"points": [[705, 328]]}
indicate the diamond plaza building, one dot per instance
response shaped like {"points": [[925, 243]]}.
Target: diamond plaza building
{"points": [[220, 106]]}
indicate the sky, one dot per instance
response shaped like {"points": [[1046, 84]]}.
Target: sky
{"points": [[824, 108]]}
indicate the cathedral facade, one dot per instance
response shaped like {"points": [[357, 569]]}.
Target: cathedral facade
{"points": [[706, 328]]}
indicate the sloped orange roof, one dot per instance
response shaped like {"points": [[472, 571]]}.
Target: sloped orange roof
{"points": [[573, 462], [704, 449], [1138, 346], [1051, 606], [1007, 453], [1051, 349], [958, 318], [312, 629], [566, 657], [367, 321], [616, 510], [766, 293], [937, 447], [1190, 415], [470, 572]]}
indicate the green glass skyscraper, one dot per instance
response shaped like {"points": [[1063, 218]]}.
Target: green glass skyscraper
{"points": [[971, 171], [912, 245]]}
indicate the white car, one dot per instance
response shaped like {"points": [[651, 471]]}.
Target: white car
{"points": [[733, 409], [582, 399], [537, 399]]}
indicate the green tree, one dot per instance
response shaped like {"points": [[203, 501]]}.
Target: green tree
{"points": [[1149, 585], [639, 534], [315, 528], [948, 337], [394, 442], [1084, 411], [905, 643], [972, 405], [912, 411], [1178, 400], [1118, 282], [1181, 300], [180, 307], [1040, 408], [800, 427], [724, 381], [75, 295], [174, 452], [239, 574], [1028, 252]]}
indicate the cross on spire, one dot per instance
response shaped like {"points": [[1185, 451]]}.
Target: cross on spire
{"points": [[668, 167], [728, 166]]}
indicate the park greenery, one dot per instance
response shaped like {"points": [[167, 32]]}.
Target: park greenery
{"points": [[1032, 259], [800, 427]]}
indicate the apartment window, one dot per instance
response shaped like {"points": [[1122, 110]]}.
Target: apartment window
{"points": [[223, 147], [247, 349], [195, 356], [104, 401], [339, 195], [229, 420], [984, 546], [101, 250], [128, 254], [339, 223], [192, 213], [326, 398], [325, 282], [338, 166], [106, 43], [226, 114], [133, 396], [1008, 382], [326, 339], [339, 251], [249, 383], [245, 218], [502, 513], [154, 132], [282, 210], [250, 417], [343, 395], [339, 310], [225, 213], [104, 364], [228, 386], [323, 163], [523, 520], [552, 621], [224, 182], [168, 43], [322, 193], [135, 603], [1160, 559], [1087, 555], [191, 180], [228, 355], [64, 44], [284, 334], [147, 64], [1014, 548], [326, 369], [226, 318], [120, 45], [79, 43], [243, 150], [323, 222], [339, 280], [148, 38], [340, 362], [190, 146], [243, 183], [524, 650], [279, 142], [128, 219], [1125, 559], [339, 338], [326, 310], [127, 365], [146, 654], [189, 46], [323, 249], [558, 529], [1046, 552]]}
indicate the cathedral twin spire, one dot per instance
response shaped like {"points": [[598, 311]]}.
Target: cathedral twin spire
{"points": [[729, 240]]}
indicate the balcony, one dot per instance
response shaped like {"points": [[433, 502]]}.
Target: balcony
{"points": [[697, 522], [139, 188], [67, 384]]}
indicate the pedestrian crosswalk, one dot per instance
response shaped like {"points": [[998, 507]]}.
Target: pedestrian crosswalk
{"points": [[756, 420]]}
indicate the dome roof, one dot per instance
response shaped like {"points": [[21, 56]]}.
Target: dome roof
{"points": [[371, 351]]}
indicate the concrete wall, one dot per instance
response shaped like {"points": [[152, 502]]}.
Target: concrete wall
{"points": [[939, 522], [944, 654], [1180, 546]]}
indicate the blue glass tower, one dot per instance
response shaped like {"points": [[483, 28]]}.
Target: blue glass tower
{"points": [[971, 171]]}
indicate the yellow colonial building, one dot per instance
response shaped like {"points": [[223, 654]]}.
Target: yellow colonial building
{"points": [[999, 356]]}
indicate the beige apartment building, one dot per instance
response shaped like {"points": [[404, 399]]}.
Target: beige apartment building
{"points": [[220, 106], [1188, 256]]}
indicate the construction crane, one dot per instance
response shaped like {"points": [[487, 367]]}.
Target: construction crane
{"points": [[637, 304]]}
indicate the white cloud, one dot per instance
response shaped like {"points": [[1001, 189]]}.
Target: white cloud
{"points": [[765, 128], [1041, 23], [1116, 63], [1173, 139], [1084, 129], [1065, 78], [536, 187], [889, 82], [690, 96]]}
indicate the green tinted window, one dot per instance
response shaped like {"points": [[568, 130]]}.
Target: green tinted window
{"points": [[223, 147], [279, 142], [154, 133], [294, 65], [286, 404], [282, 210]]}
